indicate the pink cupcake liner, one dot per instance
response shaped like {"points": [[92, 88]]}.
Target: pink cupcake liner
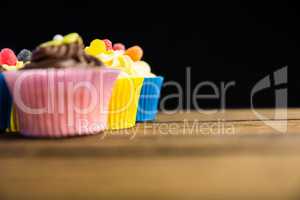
{"points": [[61, 102]]}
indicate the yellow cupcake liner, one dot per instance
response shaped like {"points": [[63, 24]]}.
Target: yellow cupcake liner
{"points": [[124, 103], [13, 124]]}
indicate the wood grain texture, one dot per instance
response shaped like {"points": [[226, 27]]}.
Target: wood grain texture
{"points": [[171, 158]]}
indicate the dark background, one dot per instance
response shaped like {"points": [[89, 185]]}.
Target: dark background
{"points": [[220, 41]]}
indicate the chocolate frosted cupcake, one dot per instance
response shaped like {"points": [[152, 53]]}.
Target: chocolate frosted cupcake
{"points": [[62, 91]]}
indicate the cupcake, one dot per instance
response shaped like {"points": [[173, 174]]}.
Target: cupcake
{"points": [[8, 62], [130, 62], [150, 93], [62, 91], [5, 104], [126, 92], [23, 57]]}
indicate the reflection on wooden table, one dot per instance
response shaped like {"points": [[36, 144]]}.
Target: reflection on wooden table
{"points": [[225, 155]]}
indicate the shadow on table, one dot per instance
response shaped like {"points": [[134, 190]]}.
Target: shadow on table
{"points": [[18, 136], [9, 136]]}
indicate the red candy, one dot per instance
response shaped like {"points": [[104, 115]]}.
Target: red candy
{"points": [[108, 44], [119, 46], [8, 57]]}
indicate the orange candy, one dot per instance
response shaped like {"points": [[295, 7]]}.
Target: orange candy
{"points": [[135, 53]]}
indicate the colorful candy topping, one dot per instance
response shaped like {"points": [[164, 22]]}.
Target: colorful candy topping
{"points": [[24, 55], [68, 39], [119, 47], [63, 49], [58, 37], [117, 56], [108, 44], [8, 57], [96, 47], [9, 61], [135, 52], [68, 54]]}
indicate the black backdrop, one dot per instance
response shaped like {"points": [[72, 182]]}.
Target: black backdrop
{"points": [[240, 42]]}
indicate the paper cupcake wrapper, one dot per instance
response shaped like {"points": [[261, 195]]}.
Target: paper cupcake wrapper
{"points": [[5, 104], [149, 98], [124, 103], [61, 102], [14, 123]]}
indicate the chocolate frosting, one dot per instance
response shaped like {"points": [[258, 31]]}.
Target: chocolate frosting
{"points": [[62, 56]]}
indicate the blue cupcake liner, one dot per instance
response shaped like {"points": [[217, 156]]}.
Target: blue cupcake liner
{"points": [[5, 104], [149, 98]]}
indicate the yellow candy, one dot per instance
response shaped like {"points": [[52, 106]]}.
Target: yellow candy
{"points": [[96, 47], [89, 51], [18, 65], [116, 60], [72, 37]]}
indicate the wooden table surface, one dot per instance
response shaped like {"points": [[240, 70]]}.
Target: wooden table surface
{"points": [[188, 155]]}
